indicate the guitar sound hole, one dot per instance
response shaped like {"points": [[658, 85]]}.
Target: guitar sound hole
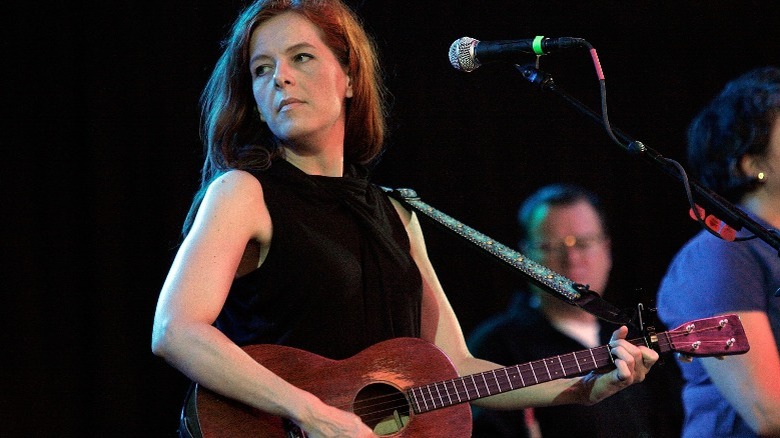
{"points": [[383, 408]]}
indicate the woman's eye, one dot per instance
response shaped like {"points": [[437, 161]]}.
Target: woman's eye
{"points": [[303, 57], [261, 70]]}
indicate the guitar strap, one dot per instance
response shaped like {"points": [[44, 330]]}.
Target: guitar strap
{"points": [[548, 280]]}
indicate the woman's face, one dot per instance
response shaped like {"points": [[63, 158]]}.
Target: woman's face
{"points": [[298, 84], [769, 164], [766, 166]]}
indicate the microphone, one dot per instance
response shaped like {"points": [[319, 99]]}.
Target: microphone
{"points": [[467, 54]]}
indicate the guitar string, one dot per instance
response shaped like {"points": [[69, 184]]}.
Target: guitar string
{"points": [[530, 373], [497, 383], [403, 403], [464, 394], [461, 393], [398, 400], [530, 368]]}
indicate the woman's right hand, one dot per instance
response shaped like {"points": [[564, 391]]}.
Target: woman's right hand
{"points": [[327, 421]]}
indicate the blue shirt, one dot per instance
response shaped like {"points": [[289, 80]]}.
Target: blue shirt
{"points": [[707, 277]]}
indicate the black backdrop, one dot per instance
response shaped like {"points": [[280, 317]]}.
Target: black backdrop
{"points": [[101, 155]]}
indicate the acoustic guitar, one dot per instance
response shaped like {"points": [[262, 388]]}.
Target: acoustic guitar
{"points": [[407, 387]]}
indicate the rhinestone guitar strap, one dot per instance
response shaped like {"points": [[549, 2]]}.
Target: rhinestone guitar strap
{"points": [[574, 293]]}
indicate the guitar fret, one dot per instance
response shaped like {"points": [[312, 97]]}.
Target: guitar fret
{"points": [[495, 378], [424, 405], [463, 381], [425, 398], [563, 369], [449, 394], [520, 373], [433, 402], [441, 399], [577, 361], [455, 389], [592, 357], [557, 369], [542, 369], [487, 387], [415, 393], [534, 372], [508, 379], [548, 369], [475, 386]]}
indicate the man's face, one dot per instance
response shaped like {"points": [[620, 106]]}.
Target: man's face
{"points": [[570, 240]]}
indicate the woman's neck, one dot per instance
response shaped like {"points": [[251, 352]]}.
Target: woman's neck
{"points": [[764, 205], [325, 162]]}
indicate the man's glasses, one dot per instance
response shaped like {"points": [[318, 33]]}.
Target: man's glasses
{"points": [[560, 247]]}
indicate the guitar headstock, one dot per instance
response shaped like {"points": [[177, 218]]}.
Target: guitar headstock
{"points": [[715, 336]]}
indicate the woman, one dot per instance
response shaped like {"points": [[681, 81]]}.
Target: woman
{"points": [[290, 244], [734, 149]]}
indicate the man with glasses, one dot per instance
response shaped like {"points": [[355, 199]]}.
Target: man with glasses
{"points": [[563, 227]]}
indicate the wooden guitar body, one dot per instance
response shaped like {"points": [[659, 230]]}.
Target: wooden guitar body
{"points": [[366, 382]]}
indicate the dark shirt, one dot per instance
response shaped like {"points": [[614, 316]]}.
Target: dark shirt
{"points": [[522, 334], [338, 276]]}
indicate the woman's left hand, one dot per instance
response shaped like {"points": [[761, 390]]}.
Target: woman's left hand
{"points": [[632, 363]]}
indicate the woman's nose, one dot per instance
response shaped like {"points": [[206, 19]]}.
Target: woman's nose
{"points": [[282, 75]]}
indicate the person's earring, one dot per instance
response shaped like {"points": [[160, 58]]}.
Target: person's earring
{"points": [[761, 177]]}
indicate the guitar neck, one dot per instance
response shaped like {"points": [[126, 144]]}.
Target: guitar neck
{"points": [[463, 389]]}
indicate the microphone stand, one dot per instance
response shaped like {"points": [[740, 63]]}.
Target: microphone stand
{"points": [[711, 201]]}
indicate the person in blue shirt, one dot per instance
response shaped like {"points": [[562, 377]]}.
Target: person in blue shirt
{"points": [[734, 150]]}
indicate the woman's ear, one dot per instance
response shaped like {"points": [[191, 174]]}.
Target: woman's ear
{"points": [[349, 92], [750, 165]]}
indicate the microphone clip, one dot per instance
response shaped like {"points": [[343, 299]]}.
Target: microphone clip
{"points": [[535, 76]]}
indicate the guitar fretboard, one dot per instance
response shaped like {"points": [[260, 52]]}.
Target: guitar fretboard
{"points": [[463, 389]]}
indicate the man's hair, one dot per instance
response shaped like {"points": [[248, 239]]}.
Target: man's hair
{"points": [[555, 195]]}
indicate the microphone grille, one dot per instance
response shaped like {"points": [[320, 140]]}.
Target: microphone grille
{"points": [[462, 54]]}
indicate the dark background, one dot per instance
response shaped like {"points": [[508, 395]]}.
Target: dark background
{"points": [[101, 156]]}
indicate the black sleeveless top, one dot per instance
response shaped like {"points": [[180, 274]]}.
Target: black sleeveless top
{"points": [[338, 276]]}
